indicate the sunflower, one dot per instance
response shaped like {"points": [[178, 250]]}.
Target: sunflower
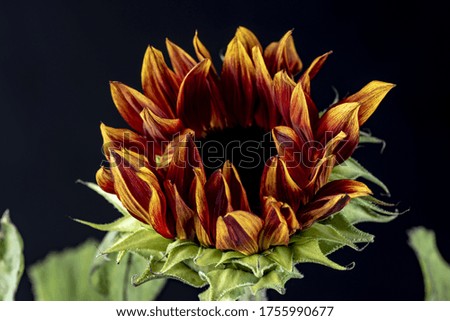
{"points": [[157, 169]]}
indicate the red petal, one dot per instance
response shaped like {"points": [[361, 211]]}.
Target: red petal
{"points": [[283, 88], [181, 61], [183, 215], [275, 230], [237, 191]]}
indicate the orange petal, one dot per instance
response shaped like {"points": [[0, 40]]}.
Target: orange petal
{"points": [[237, 77], [194, 99], [330, 199], [340, 118], [299, 115], [283, 88], [369, 97], [312, 71], [247, 39], [160, 84], [282, 55], [129, 104], [239, 231], [180, 170], [140, 193], [105, 180], [183, 215], [219, 200], [114, 138], [181, 61], [200, 205], [166, 158], [266, 113], [160, 130], [275, 230], [238, 194], [278, 183]]}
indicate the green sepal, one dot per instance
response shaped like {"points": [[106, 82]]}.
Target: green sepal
{"points": [[309, 251], [143, 238], [179, 251], [11, 258], [282, 255], [367, 138], [365, 209], [258, 264], [351, 169], [111, 198], [122, 224]]}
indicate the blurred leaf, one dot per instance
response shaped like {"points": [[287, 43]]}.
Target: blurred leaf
{"points": [[79, 274], [436, 272], [11, 258]]}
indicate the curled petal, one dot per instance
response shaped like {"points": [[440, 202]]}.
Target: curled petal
{"points": [[369, 97], [181, 61], [239, 231], [194, 99], [247, 39], [183, 215], [238, 194], [277, 182], [341, 118], [140, 193], [105, 180], [200, 50], [180, 170], [275, 230], [330, 199], [312, 71], [283, 87], [160, 130], [114, 138], [219, 200], [165, 159], [282, 55], [237, 77], [266, 113], [160, 84]]}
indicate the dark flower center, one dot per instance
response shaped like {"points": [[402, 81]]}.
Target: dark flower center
{"points": [[247, 149]]}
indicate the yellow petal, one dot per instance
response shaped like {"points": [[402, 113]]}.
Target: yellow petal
{"points": [[283, 87], [312, 71], [369, 97], [181, 61], [239, 231], [114, 138], [238, 194], [282, 55], [299, 115], [248, 39], [275, 230]]}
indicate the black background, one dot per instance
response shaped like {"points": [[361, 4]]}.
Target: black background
{"points": [[56, 59]]}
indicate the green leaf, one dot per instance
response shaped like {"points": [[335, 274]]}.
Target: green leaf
{"points": [[11, 258], [64, 276], [111, 198], [351, 169], [364, 209], [143, 238], [123, 224], [327, 233], [436, 271], [340, 223]]}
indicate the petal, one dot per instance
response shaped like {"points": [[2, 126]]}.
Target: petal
{"points": [[160, 84], [266, 113], [105, 180], [247, 39], [239, 231], [200, 50], [200, 205], [194, 99], [283, 87], [312, 71], [139, 191], [369, 97], [129, 104], [181, 61], [160, 130], [282, 55], [299, 115], [331, 198], [277, 182], [238, 194], [237, 77], [340, 118], [180, 170], [165, 159], [219, 200], [275, 230], [292, 151], [114, 138], [183, 215]]}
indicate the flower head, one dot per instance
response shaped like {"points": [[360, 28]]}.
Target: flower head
{"points": [[157, 170]]}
